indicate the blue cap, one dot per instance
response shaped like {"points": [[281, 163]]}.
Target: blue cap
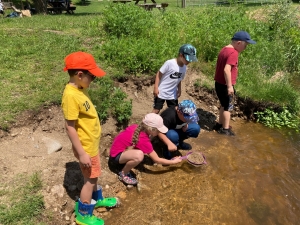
{"points": [[189, 52], [188, 109], [243, 36]]}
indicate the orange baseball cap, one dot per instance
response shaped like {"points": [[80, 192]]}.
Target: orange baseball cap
{"points": [[83, 61]]}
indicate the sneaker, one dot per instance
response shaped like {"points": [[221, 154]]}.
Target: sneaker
{"points": [[228, 132], [217, 127], [127, 178], [184, 146]]}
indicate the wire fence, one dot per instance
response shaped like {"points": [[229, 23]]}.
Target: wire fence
{"points": [[187, 3]]}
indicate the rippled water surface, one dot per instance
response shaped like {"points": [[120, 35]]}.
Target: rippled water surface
{"points": [[253, 178]]}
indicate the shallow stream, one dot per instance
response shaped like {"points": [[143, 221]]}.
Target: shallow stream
{"points": [[252, 178]]}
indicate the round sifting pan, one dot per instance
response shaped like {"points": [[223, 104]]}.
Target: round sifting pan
{"points": [[195, 158]]}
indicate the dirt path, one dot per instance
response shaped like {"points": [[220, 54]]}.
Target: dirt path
{"points": [[26, 148]]}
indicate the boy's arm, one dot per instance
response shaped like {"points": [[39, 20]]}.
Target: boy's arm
{"points": [[84, 158], [227, 74], [179, 89], [167, 141], [157, 80]]}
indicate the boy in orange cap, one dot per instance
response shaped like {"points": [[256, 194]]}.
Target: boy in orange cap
{"points": [[84, 130]]}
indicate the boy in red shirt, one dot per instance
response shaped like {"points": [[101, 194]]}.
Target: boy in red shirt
{"points": [[226, 76]]}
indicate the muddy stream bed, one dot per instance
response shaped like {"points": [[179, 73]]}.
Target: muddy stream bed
{"points": [[252, 178]]}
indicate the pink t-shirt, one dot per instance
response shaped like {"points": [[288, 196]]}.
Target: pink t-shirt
{"points": [[123, 140], [227, 56]]}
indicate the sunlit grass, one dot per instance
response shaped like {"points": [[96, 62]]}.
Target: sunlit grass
{"points": [[33, 49], [21, 202]]}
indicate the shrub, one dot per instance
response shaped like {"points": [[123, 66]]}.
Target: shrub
{"points": [[110, 100], [126, 19], [284, 118]]}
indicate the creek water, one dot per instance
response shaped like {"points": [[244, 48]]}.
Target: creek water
{"points": [[252, 178]]}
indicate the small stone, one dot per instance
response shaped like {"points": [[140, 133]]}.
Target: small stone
{"points": [[121, 195], [164, 185], [101, 210], [52, 145], [129, 187]]}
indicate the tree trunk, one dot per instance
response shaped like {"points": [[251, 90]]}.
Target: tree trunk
{"points": [[40, 6]]}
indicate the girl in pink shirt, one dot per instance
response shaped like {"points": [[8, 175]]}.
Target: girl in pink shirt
{"points": [[129, 147]]}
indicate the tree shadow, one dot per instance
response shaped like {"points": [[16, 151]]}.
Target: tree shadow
{"points": [[83, 3]]}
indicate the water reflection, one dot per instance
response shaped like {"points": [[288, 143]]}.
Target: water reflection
{"points": [[253, 178]]}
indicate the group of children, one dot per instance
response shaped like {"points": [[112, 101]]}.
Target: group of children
{"points": [[176, 123]]}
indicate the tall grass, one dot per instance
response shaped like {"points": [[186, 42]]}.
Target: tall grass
{"points": [[209, 29]]}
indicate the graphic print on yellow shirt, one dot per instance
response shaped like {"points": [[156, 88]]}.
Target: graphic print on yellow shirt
{"points": [[76, 105]]}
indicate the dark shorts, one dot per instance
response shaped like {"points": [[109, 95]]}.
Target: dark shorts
{"points": [[159, 103], [114, 165], [223, 96]]}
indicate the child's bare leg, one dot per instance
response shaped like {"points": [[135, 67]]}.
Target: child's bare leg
{"points": [[132, 158], [90, 185], [226, 121]]}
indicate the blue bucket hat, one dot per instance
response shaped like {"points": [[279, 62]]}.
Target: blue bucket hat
{"points": [[243, 36], [188, 109], [189, 52]]}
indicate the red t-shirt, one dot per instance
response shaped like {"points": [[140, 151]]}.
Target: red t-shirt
{"points": [[123, 140], [227, 56]]}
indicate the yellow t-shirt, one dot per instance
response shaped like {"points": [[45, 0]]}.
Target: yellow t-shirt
{"points": [[76, 105]]}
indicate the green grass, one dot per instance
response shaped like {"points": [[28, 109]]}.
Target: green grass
{"points": [[32, 49], [21, 202]]}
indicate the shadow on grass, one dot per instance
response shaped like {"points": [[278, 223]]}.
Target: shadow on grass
{"points": [[75, 14], [83, 3]]}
